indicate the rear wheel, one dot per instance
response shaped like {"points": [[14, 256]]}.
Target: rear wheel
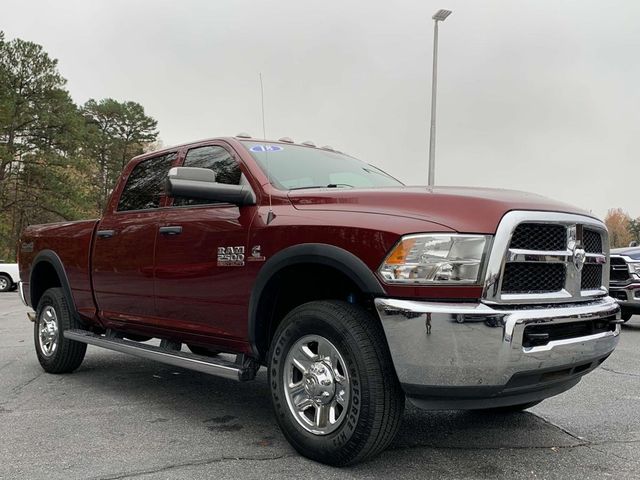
{"points": [[56, 353], [626, 315], [5, 283], [335, 393]]}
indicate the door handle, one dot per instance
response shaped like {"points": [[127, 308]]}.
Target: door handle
{"points": [[172, 230], [105, 233]]}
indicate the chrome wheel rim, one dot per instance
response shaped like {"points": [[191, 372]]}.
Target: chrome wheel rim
{"points": [[317, 385], [4, 284], [48, 331]]}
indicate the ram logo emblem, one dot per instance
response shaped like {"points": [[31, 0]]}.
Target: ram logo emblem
{"points": [[579, 257]]}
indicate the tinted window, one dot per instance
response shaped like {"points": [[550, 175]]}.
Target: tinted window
{"points": [[227, 170], [145, 185]]}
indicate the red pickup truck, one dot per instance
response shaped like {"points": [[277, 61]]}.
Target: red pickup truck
{"points": [[354, 290]]}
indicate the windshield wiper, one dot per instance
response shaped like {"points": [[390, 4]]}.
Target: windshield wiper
{"points": [[331, 185]]}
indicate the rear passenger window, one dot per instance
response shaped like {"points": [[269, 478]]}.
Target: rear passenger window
{"points": [[146, 183], [215, 158]]}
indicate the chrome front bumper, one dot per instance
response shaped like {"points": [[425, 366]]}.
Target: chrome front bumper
{"points": [[628, 296], [474, 353]]}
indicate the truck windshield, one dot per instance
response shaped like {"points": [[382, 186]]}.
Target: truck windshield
{"points": [[293, 167]]}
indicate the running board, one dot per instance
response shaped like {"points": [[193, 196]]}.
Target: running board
{"points": [[214, 366]]}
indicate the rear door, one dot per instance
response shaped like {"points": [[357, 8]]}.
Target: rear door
{"points": [[202, 287], [123, 255]]}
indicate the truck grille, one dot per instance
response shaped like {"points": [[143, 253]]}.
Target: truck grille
{"points": [[539, 236], [591, 277], [592, 241], [563, 259], [533, 277], [619, 270]]}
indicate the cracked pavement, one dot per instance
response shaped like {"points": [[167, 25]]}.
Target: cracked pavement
{"points": [[119, 417]]}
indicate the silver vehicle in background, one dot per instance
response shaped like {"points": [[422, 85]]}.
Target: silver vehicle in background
{"points": [[9, 276], [624, 282]]}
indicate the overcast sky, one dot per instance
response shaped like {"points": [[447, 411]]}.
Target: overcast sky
{"points": [[541, 96]]}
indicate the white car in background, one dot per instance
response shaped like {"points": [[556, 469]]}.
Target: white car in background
{"points": [[9, 276]]}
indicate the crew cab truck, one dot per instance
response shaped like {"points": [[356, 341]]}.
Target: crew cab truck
{"points": [[354, 290], [625, 280]]}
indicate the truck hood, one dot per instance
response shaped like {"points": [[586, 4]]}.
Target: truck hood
{"points": [[631, 252], [464, 209]]}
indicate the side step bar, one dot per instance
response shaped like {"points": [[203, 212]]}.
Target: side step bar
{"points": [[242, 371]]}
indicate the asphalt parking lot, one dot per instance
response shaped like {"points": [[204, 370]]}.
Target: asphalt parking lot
{"points": [[120, 417]]}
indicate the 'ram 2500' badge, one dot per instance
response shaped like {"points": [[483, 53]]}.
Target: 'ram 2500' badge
{"points": [[231, 256]]}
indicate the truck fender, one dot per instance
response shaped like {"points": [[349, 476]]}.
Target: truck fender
{"points": [[320, 253], [52, 258]]}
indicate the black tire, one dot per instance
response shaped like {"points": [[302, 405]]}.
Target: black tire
{"points": [[374, 410], [626, 315], [6, 283], [204, 351], [67, 355], [510, 408]]}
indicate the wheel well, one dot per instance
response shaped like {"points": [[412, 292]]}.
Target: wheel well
{"points": [[297, 284], [43, 277]]}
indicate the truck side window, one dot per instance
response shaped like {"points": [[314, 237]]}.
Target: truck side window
{"points": [[219, 160], [145, 185]]}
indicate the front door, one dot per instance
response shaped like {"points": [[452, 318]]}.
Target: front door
{"points": [[201, 284]]}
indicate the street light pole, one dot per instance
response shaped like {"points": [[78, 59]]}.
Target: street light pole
{"points": [[439, 16]]}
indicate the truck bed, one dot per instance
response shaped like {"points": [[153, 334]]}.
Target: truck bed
{"points": [[72, 243]]}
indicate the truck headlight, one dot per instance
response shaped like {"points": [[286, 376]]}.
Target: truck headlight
{"points": [[634, 267], [436, 258]]}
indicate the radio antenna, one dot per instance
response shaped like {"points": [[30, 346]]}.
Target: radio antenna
{"points": [[270, 215]]}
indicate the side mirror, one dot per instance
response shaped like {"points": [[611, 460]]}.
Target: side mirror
{"points": [[195, 182]]}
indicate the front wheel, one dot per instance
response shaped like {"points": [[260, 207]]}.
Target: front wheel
{"points": [[56, 353], [335, 392]]}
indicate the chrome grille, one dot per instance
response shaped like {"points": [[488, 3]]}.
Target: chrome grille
{"points": [[592, 241], [539, 236], [533, 277], [591, 276], [547, 257]]}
